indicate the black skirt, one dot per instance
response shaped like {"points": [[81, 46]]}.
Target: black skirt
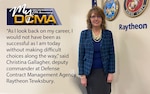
{"points": [[97, 82]]}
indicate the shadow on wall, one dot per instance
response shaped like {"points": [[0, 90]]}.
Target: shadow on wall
{"points": [[127, 72], [76, 82], [124, 68]]}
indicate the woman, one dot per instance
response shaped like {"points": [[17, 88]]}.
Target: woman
{"points": [[96, 54]]}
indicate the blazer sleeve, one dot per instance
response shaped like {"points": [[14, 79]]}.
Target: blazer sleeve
{"points": [[111, 68], [81, 53]]}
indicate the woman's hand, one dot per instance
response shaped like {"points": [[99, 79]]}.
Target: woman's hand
{"points": [[109, 78], [83, 80]]}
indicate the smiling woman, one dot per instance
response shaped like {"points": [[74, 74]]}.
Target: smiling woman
{"points": [[96, 54]]}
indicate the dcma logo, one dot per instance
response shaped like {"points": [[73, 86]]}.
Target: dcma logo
{"points": [[32, 16]]}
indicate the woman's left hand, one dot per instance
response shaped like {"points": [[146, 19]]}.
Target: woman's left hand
{"points": [[109, 77]]}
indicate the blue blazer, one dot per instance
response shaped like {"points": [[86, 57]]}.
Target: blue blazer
{"points": [[86, 50]]}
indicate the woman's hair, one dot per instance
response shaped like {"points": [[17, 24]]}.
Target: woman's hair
{"points": [[99, 12]]}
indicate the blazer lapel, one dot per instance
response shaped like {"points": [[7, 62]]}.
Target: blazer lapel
{"points": [[90, 40], [103, 37]]}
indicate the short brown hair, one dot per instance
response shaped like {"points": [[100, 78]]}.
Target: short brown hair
{"points": [[98, 11]]}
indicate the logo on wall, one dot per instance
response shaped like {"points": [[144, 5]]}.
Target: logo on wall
{"points": [[111, 8], [32, 16], [134, 8]]}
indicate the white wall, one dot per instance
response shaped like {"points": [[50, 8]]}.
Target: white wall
{"points": [[132, 53], [131, 47]]}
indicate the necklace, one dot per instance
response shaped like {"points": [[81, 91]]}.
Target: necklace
{"points": [[98, 37]]}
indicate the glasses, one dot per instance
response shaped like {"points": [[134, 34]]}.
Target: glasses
{"points": [[93, 17]]}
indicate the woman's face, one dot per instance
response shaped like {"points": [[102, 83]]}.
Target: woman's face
{"points": [[96, 20]]}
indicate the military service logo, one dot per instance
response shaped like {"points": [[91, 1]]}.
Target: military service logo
{"points": [[134, 8], [111, 8]]}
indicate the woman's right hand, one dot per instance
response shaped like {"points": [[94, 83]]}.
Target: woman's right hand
{"points": [[83, 80]]}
